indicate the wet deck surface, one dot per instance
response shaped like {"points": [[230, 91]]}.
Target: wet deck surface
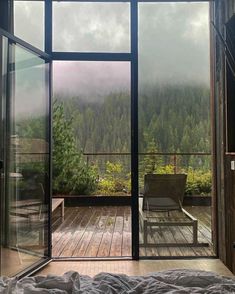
{"points": [[106, 232]]}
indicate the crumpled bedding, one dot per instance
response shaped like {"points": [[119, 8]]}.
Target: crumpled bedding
{"points": [[171, 281]]}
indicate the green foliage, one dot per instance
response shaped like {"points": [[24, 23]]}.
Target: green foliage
{"points": [[198, 182], [153, 164], [32, 127], [150, 162], [165, 169], [172, 118], [114, 181], [71, 175], [33, 167]]}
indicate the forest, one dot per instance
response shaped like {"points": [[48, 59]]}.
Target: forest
{"points": [[176, 118], [172, 118]]}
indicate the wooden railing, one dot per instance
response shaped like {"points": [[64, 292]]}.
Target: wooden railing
{"points": [[174, 155]]}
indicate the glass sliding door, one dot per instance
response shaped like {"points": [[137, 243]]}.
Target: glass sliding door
{"points": [[25, 200]]}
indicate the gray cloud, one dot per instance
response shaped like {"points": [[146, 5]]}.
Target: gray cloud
{"points": [[91, 27], [173, 43], [29, 22], [91, 80], [29, 93]]}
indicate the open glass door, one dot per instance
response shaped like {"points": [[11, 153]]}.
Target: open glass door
{"points": [[25, 185]]}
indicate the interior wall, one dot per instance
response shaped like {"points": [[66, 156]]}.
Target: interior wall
{"points": [[225, 179]]}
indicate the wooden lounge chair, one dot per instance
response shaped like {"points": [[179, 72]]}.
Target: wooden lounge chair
{"points": [[162, 195]]}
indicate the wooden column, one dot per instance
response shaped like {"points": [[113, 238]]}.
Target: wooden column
{"points": [[225, 177]]}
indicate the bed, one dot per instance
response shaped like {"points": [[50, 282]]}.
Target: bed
{"points": [[170, 281]]}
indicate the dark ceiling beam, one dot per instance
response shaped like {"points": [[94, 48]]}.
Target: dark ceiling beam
{"points": [[6, 15]]}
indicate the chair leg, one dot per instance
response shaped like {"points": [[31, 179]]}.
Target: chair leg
{"points": [[145, 232], [195, 232], [62, 210]]}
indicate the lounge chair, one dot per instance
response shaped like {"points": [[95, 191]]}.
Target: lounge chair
{"points": [[162, 195]]}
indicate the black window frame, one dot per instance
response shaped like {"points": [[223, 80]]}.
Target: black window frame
{"points": [[131, 57]]}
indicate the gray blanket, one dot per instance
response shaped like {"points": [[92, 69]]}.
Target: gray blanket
{"points": [[171, 281]]}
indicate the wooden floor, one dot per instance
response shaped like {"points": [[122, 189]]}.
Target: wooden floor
{"points": [[132, 268], [106, 232], [13, 261]]}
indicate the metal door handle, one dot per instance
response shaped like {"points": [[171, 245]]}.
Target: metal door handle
{"points": [[1, 164]]}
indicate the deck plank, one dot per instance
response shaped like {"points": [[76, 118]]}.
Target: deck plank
{"points": [[69, 218], [116, 245], [126, 240], [105, 244], [76, 235], [93, 247], [86, 234], [65, 240], [106, 232]]}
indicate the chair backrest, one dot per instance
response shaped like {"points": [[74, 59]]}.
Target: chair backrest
{"points": [[164, 191]]}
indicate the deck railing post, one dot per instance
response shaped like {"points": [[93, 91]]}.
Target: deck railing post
{"points": [[175, 164], [87, 160]]}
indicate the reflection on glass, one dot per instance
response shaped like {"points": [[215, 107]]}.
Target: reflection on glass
{"points": [[174, 102], [96, 95], [27, 194], [3, 84], [91, 27], [29, 22]]}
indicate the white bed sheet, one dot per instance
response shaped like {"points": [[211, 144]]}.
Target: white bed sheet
{"points": [[171, 281]]}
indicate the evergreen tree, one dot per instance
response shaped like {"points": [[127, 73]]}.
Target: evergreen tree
{"points": [[70, 172]]}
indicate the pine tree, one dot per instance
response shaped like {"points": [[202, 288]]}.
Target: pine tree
{"points": [[71, 175]]}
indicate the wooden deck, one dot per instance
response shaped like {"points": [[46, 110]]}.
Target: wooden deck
{"points": [[106, 232]]}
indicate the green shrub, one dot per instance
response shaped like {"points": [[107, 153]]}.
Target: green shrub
{"points": [[160, 169], [198, 182], [115, 181]]}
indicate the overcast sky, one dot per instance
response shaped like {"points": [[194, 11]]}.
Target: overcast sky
{"points": [[29, 88], [173, 43]]}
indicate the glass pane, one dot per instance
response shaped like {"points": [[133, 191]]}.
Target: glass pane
{"points": [[3, 83], [29, 22], [91, 27], [92, 107], [174, 119], [100, 111], [27, 193]]}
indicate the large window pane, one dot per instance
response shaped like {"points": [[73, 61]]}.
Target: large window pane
{"points": [[91, 27], [91, 129], [29, 22], [96, 95], [174, 114]]}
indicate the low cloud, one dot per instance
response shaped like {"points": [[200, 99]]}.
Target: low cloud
{"points": [[173, 43]]}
